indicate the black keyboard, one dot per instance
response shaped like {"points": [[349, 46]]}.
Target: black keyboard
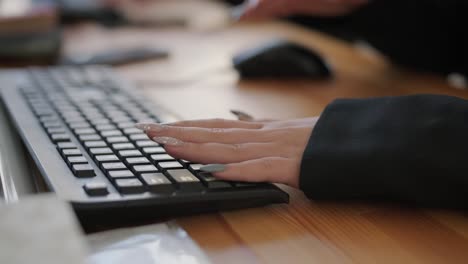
{"points": [[78, 125]]}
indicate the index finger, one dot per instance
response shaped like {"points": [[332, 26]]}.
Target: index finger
{"points": [[217, 123]]}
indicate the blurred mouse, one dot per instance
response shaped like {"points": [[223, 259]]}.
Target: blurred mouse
{"points": [[281, 59]]}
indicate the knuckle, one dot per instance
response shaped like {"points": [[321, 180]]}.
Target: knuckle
{"points": [[216, 130], [181, 132], [267, 164], [176, 130], [239, 147], [288, 151]]}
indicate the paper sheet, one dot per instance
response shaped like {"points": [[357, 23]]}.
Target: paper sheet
{"points": [[153, 244], [40, 229]]}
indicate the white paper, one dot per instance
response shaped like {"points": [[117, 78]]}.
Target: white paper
{"points": [[40, 229], [153, 244]]}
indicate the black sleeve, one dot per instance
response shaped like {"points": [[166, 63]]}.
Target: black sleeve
{"points": [[411, 149]]}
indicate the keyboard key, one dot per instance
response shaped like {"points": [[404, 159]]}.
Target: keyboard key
{"points": [[162, 157], [132, 130], [60, 138], [56, 130], [170, 165], [213, 183], [137, 161], [111, 133], [84, 131], [106, 158], [44, 111], [95, 144], [66, 145], [154, 150], [51, 118], [92, 137], [145, 168], [158, 183], [186, 180], [83, 171], [79, 125], [136, 137], [92, 113], [117, 119], [74, 119], [71, 152], [52, 124], [76, 160], [103, 121], [105, 127], [123, 125], [113, 166], [130, 153], [121, 174], [146, 143], [96, 188], [185, 162], [112, 140], [129, 186], [195, 167], [147, 120], [100, 151], [123, 146]]}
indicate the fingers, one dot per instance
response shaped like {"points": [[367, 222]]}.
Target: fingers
{"points": [[201, 135], [218, 123], [210, 153], [271, 169], [275, 8]]}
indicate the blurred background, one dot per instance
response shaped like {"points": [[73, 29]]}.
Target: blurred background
{"points": [[415, 34]]}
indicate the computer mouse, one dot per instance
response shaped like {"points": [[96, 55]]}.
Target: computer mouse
{"points": [[281, 59]]}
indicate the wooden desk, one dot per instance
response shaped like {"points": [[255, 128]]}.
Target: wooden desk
{"points": [[303, 231]]}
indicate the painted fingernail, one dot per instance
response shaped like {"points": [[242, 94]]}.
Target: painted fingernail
{"points": [[150, 127], [213, 168], [241, 115], [168, 141]]}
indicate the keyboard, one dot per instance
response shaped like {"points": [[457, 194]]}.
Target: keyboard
{"points": [[78, 125]]}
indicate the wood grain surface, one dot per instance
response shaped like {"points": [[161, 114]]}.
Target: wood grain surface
{"points": [[197, 81]]}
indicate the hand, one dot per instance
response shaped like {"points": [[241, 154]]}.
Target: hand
{"points": [[241, 151], [123, 3], [261, 9]]}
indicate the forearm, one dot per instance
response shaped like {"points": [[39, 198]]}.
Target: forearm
{"points": [[411, 149]]}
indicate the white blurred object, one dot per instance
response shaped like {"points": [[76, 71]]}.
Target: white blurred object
{"points": [[11, 8], [195, 14], [458, 81], [153, 244], [40, 229]]}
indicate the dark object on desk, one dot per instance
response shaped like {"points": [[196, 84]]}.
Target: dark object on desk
{"points": [[30, 48], [117, 57], [29, 34], [77, 10], [281, 59], [78, 125]]}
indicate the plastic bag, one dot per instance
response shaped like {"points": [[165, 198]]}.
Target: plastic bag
{"points": [[155, 244]]}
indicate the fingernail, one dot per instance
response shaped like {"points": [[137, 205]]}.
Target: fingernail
{"points": [[213, 168], [241, 115], [150, 127], [168, 141]]}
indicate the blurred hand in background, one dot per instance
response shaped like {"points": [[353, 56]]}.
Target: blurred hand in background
{"points": [[264, 9]]}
